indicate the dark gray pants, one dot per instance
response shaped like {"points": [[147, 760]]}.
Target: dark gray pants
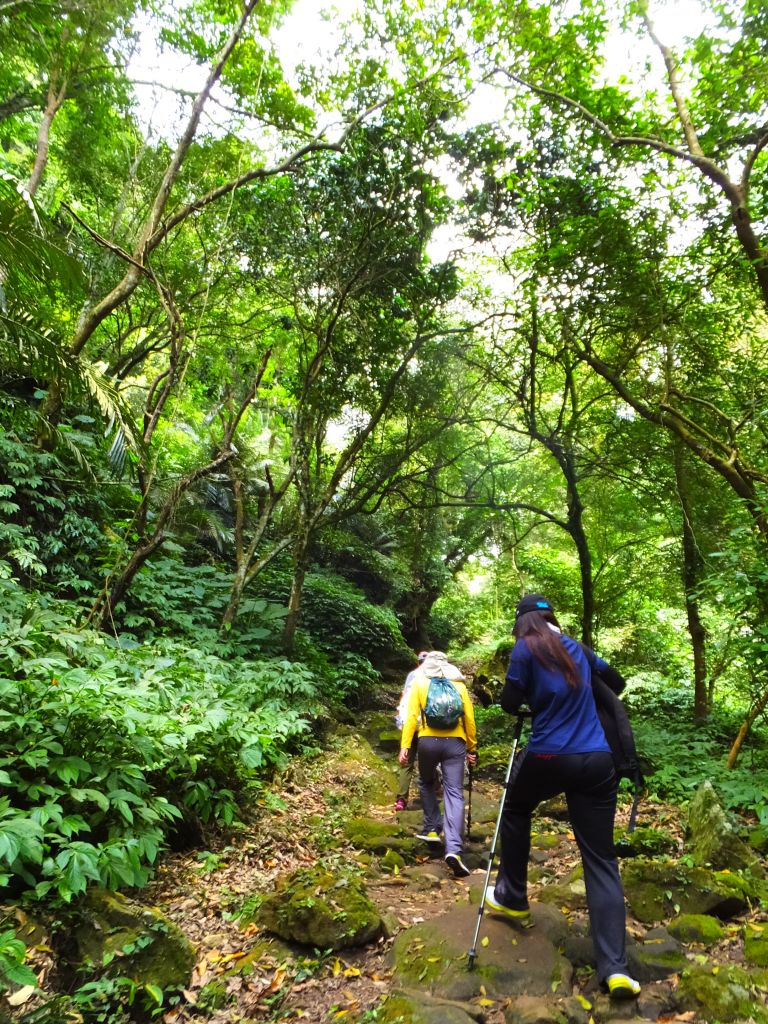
{"points": [[449, 752], [589, 784]]}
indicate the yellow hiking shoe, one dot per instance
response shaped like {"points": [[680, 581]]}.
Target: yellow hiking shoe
{"points": [[621, 986], [522, 917]]}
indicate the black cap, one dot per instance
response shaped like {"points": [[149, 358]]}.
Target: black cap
{"points": [[532, 603]]}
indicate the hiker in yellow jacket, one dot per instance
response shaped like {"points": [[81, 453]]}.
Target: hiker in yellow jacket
{"points": [[447, 747]]}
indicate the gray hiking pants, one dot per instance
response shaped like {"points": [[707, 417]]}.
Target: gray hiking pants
{"points": [[449, 752]]}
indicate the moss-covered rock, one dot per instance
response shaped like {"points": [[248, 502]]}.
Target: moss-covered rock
{"points": [[570, 895], [367, 779], [556, 809], [658, 956], [484, 811], [392, 862], [382, 836], [712, 839], [645, 841], [414, 1008], [659, 889], [540, 1010], [388, 740], [756, 944], [698, 928], [724, 994], [134, 940], [545, 840], [315, 908]]}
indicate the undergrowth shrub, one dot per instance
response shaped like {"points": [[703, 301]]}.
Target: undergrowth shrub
{"points": [[337, 614], [683, 754], [104, 746], [49, 522]]}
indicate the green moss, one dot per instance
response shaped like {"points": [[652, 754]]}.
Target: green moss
{"points": [[646, 841], [380, 836], [572, 895], [391, 861], [756, 944], [420, 957], [544, 841], [724, 994], [758, 839], [135, 940], [655, 887], [670, 959], [318, 909], [213, 996], [700, 928]]}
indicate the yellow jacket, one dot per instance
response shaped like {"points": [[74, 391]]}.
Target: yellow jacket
{"points": [[414, 721]]}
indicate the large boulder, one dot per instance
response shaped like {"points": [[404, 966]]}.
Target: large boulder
{"points": [[659, 889], [712, 840], [134, 940], [318, 909], [511, 960]]}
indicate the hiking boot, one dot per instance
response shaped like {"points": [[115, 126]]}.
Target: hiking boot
{"points": [[400, 804], [523, 917], [457, 865], [621, 986], [429, 837]]}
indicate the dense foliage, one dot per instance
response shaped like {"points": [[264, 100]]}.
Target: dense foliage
{"points": [[322, 361]]}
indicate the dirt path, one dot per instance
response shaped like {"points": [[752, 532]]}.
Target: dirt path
{"points": [[243, 974]]}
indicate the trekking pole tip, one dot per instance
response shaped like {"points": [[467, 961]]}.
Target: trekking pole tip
{"points": [[471, 957]]}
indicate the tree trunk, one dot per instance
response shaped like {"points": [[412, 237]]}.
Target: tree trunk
{"points": [[53, 104], [567, 462], [239, 581], [756, 710], [301, 561], [415, 613], [691, 566]]}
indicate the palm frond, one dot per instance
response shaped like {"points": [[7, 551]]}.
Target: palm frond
{"points": [[31, 349], [29, 250]]}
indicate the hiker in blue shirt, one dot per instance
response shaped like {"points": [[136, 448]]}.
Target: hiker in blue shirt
{"points": [[567, 753]]}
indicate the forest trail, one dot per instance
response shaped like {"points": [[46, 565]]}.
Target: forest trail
{"points": [[337, 809]]}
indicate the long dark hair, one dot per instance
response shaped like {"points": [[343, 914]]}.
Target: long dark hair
{"points": [[545, 645]]}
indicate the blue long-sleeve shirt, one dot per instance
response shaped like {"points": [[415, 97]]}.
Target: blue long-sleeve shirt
{"points": [[564, 719]]}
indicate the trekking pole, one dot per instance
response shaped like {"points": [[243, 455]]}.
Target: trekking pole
{"points": [[472, 955], [470, 767]]}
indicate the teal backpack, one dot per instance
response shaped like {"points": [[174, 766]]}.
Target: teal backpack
{"points": [[444, 706]]}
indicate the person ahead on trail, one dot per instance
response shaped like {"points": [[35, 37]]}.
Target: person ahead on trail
{"points": [[567, 753], [406, 771], [446, 746]]}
